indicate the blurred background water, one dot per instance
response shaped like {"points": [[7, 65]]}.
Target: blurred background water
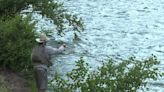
{"points": [[116, 29]]}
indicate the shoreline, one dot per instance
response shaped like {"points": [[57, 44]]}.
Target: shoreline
{"points": [[12, 82]]}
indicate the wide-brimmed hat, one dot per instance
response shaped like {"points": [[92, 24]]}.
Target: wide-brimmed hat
{"points": [[42, 38]]}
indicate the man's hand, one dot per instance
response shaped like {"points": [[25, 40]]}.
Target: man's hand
{"points": [[64, 45]]}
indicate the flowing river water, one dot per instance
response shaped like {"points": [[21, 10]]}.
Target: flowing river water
{"points": [[116, 29]]}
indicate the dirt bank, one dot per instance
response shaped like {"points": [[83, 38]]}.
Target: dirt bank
{"points": [[13, 82]]}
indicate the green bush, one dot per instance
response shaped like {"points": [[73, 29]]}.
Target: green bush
{"points": [[10, 7], [16, 42], [127, 76]]}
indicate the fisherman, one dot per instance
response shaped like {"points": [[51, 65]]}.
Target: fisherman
{"points": [[41, 58]]}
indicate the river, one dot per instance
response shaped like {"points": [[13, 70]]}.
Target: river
{"points": [[116, 29]]}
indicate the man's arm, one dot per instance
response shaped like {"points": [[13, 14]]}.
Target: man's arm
{"points": [[52, 50]]}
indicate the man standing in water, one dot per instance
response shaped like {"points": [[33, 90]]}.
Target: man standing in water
{"points": [[41, 56]]}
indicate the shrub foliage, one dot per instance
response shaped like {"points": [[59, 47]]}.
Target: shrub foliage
{"points": [[17, 39], [127, 76]]}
